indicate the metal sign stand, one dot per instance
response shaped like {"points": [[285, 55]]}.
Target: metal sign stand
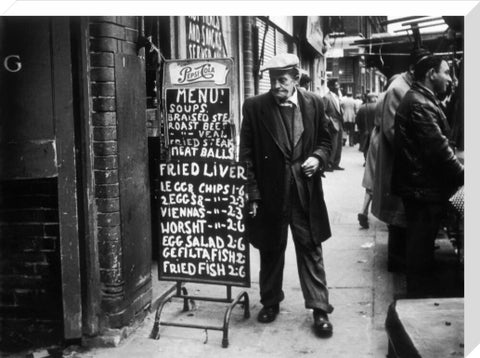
{"points": [[179, 291]]}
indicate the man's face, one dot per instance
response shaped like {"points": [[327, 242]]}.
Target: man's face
{"points": [[335, 87], [441, 79], [282, 84]]}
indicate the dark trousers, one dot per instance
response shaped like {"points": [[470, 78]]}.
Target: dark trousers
{"points": [[397, 248], [350, 130], [310, 266], [423, 222], [337, 144]]}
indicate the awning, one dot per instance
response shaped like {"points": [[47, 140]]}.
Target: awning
{"points": [[343, 46], [390, 53]]}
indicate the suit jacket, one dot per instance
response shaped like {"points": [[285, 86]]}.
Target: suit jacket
{"points": [[271, 163], [333, 112]]}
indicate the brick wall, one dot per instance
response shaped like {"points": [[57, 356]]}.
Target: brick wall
{"points": [[30, 286], [108, 36]]}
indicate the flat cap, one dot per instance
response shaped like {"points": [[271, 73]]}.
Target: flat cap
{"points": [[284, 61]]}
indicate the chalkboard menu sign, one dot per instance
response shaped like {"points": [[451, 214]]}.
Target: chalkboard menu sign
{"points": [[202, 234], [202, 188]]}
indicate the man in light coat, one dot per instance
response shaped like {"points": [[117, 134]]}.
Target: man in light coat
{"points": [[285, 143], [347, 105]]}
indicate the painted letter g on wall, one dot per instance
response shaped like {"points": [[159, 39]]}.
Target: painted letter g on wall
{"points": [[12, 63]]}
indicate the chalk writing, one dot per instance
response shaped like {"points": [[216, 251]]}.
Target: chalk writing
{"points": [[201, 224], [204, 37], [198, 123]]}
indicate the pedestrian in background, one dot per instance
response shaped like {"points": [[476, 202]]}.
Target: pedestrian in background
{"points": [[358, 103], [370, 160], [305, 80], [386, 206], [347, 105], [286, 144], [334, 114], [365, 121], [426, 171]]}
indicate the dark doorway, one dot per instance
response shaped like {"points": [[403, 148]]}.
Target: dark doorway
{"points": [[38, 223]]}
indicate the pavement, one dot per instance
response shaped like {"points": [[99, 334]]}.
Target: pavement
{"points": [[360, 290]]}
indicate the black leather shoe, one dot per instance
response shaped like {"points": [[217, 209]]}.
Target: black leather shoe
{"points": [[329, 168], [323, 327], [363, 220], [268, 314], [338, 168]]}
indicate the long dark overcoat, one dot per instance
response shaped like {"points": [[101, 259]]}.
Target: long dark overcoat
{"points": [[264, 146]]}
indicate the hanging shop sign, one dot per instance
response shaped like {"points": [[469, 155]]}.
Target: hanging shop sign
{"points": [[202, 188], [204, 37]]}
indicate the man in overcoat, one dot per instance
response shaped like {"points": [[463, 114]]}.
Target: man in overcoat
{"points": [[285, 143], [334, 113]]}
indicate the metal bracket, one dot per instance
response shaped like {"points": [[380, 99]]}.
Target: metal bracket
{"points": [[179, 291]]}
